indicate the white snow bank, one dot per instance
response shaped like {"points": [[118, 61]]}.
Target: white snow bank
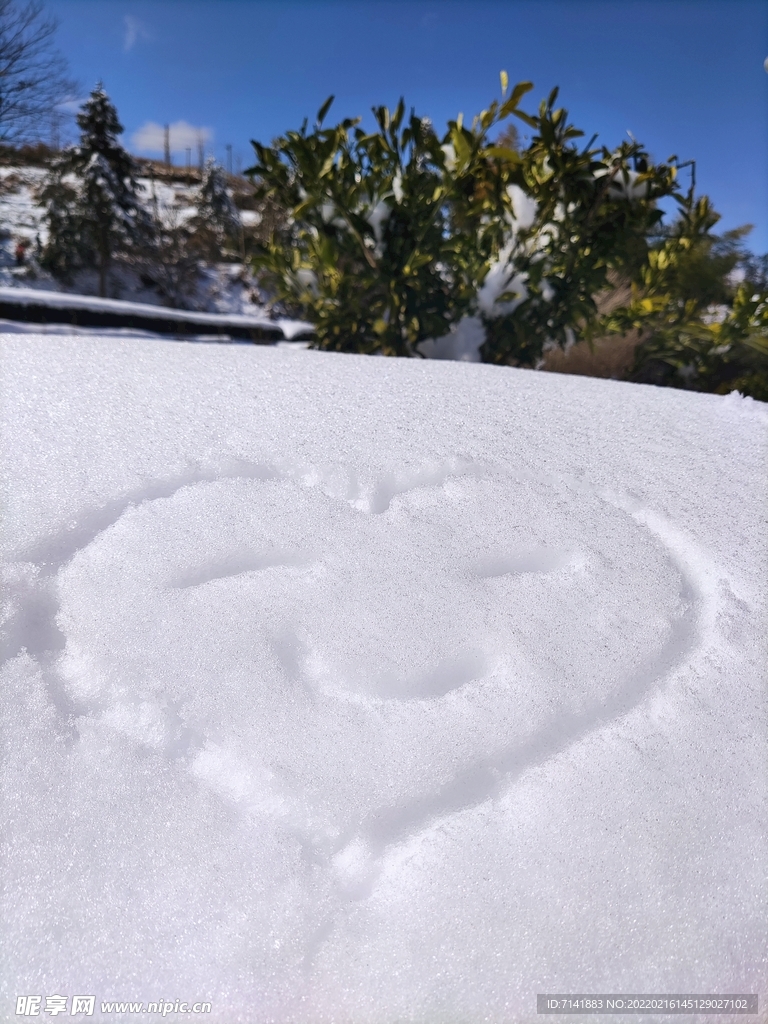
{"points": [[24, 327], [67, 301], [344, 689]]}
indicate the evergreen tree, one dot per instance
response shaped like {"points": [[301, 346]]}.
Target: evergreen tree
{"points": [[171, 260], [63, 252], [218, 219], [105, 218]]}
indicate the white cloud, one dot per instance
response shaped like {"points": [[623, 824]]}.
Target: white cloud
{"points": [[71, 106], [151, 137], [134, 31]]}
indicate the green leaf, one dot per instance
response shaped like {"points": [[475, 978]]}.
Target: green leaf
{"points": [[503, 153], [758, 342], [327, 164], [510, 105], [301, 209], [461, 145], [397, 117], [526, 119], [324, 110], [519, 91]]}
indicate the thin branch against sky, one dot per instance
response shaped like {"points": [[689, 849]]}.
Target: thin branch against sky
{"points": [[33, 73]]}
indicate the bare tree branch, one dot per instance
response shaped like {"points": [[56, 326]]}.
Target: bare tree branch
{"points": [[33, 74]]}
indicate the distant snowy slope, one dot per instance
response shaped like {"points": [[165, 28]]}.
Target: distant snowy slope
{"points": [[20, 214], [221, 288], [348, 689]]}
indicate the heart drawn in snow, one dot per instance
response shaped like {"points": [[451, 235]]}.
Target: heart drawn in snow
{"points": [[349, 663]]}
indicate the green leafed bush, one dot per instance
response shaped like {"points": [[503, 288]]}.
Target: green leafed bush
{"points": [[389, 232], [390, 237], [394, 235], [705, 331], [589, 214]]}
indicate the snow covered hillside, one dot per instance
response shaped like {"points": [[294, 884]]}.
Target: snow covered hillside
{"points": [[352, 690], [221, 288]]}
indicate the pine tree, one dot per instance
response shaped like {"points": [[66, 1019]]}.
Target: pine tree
{"points": [[172, 259], [217, 217], [106, 217], [64, 251]]}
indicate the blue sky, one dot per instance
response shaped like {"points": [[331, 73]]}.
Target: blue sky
{"points": [[683, 77]]}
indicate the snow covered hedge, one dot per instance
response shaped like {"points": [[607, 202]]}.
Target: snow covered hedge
{"points": [[394, 236]]}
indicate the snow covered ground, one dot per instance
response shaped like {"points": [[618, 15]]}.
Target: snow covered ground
{"points": [[347, 689], [224, 288]]}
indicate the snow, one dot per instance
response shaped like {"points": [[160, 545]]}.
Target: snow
{"points": [[628, 185], [250, 218], [463, 342], [19, 213], [64, 301], [524, 208], [220, 288], [350, 689], [377, 217], [450, 157], [23, 327], [501, 279]]}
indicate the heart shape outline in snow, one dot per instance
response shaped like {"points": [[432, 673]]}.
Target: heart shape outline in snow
{"points": [[314, 672]]}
